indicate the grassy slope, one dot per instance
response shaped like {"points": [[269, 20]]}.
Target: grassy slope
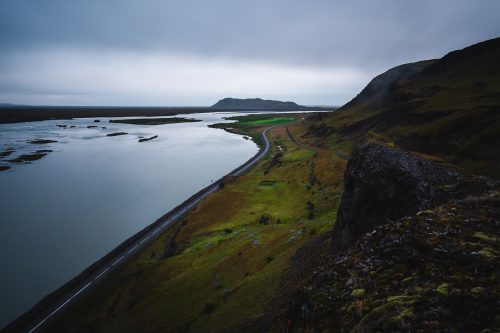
{"points": [[449, 108], [249, 125], [216, 278]]}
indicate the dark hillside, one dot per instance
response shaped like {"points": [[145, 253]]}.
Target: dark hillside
{"points": [[382, 85], [449, 108]]}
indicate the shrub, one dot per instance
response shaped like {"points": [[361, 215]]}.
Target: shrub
{"points": [[310, 205], [209, 308], [264, 219]]}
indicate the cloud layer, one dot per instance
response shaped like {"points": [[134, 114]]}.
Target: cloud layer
{"points": [[132, 52], [81, 77]]}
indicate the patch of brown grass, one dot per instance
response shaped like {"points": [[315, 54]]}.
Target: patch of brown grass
{"points": [[217, 207]]}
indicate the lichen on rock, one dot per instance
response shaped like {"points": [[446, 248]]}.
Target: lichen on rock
{"points": [[383, 184]]}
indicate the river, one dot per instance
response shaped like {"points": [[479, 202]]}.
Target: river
{"points": [[61, 213]]}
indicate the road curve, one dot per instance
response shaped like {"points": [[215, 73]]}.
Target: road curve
{"points": [[33, 321]]}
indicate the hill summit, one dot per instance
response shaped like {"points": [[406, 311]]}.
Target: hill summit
{"points": [[255, 104], [446, 107]]}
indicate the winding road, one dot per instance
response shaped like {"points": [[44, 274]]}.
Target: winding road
{"points": [[113, 262]]}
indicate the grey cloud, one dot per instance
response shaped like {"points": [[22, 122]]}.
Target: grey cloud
{"points": [[369, 36], [364, 33]]}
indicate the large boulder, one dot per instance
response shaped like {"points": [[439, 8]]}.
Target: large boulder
{"points": [[383, 184]]}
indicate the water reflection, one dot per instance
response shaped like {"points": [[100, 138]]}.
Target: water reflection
{"points": [[62, 212]]}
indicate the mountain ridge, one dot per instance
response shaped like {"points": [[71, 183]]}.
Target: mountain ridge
{"points": [[447, 107]]}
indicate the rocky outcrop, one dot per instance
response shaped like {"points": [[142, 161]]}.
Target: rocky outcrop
{"points": [[433, 269], [436, 271], [383, 184]]}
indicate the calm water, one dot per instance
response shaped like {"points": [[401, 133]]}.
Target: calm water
{"points": [[61, 213]]}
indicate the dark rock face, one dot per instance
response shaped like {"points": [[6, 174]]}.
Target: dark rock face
{"points": [[382, 184]]}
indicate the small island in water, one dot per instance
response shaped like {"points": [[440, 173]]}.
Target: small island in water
{"points": [[154, 121]]}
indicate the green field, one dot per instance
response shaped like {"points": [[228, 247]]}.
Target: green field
{"points": [[252, 125]]}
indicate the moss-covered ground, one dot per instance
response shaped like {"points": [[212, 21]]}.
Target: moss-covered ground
{"points": [[434, 272], [221, 264]]}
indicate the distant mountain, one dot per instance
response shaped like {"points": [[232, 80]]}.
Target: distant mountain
{"points": [[7, 104], [256, 104]]}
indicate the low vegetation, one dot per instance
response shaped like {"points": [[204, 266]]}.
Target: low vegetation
{"points": [[229, 252], [253, 124], [434, 272]]}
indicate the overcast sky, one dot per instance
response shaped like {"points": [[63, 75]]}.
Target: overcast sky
{"points": [[145, 52]]}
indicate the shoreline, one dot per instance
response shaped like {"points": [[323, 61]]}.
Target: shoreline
{"points": [[50, 304], [19, 114]]}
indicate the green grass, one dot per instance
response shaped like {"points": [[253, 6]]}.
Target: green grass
{"points": [[236, 273], [252, 125], [254, 132], [297, 155]]}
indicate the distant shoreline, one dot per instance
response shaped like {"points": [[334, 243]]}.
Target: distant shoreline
{"points": [[17, 114]]}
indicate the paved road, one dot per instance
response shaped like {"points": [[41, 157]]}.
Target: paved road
{"points": [[142, 242]]}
